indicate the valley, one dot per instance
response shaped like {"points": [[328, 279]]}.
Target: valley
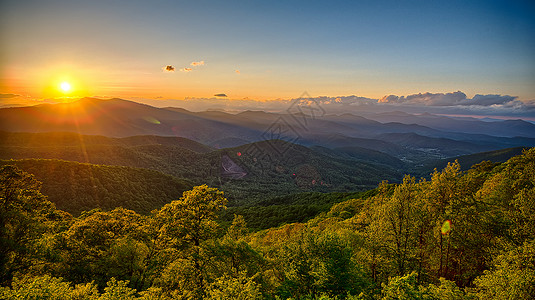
{"points": [[255, 157]]}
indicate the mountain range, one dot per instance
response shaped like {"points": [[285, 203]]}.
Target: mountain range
{"points": [[250, 155], [412, 138]]}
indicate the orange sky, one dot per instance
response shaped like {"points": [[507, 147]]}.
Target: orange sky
{"points": [[264, 50]]}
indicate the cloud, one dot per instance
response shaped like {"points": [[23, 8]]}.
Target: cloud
{"points": [[529, 104], [186, 69], [345, 100], [7, 96], [448, 99], [479, 105], [427, 99], [169, 68], [197, 63], [392, 99], [487, 100]]}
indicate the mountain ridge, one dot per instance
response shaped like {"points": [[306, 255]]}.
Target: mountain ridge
{"points": [[124, 118]]}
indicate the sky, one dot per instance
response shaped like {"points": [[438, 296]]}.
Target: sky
{"points": [[161, 51]]}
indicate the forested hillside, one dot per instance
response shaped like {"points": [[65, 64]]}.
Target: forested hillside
{"points": [[75, 187], [466, 161], [460, 235], [273, 167]]}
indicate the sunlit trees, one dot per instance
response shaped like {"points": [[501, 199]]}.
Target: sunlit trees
{"points": [[182, 226], [24, 216], [47, 287], [396, 224], [458, 235], [512, 275], [319, 263], [100, 245]]}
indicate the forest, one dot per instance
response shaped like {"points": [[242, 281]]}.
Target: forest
{"points": [[457, 235]]}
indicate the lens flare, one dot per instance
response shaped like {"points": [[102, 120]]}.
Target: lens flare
{"points": [[446, 227]]}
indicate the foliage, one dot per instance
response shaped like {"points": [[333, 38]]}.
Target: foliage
{"points": [[292, 208], [47, 287], [75, 187], [512, 275], [459, 235], [269, 173], [25, 214]]}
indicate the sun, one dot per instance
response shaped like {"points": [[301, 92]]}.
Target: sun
{"points": [[65, 87]]}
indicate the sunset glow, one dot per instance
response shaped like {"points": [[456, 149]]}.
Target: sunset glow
{"points": [[286, 49], [65, 87]]}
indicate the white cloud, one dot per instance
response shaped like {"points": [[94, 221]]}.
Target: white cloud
{"points": [[488, 100], [448, 99]]}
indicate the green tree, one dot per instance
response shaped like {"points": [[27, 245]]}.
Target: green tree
{"points": [[183, 225], [404, 288], [25, 214], [512, 275], [241, 287], [100, 245], [446, 290], [397, 223], [320, 263], [47, 287]]}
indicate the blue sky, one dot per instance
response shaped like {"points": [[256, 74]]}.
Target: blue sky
{"points": [[268, 49]]}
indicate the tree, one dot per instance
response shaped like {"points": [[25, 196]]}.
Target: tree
{"points": [[397, 220], [319, 263], [184, 224], [240, 288], [47, 287], [404, 288], [24, 216], [512, 275], [100, 245]]}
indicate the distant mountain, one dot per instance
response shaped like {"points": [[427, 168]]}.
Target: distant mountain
{"points": [[370, 128], [441, 146], [507, 128], [339, 140], [272, 166], [75, 187], [179, 157], [467, 161], [228, 142], [68, 139], [363, 154], [117, 118], [121, 118]]}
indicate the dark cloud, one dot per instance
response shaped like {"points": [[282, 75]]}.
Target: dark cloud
{"points": [[169, 68], [220, 95]]}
